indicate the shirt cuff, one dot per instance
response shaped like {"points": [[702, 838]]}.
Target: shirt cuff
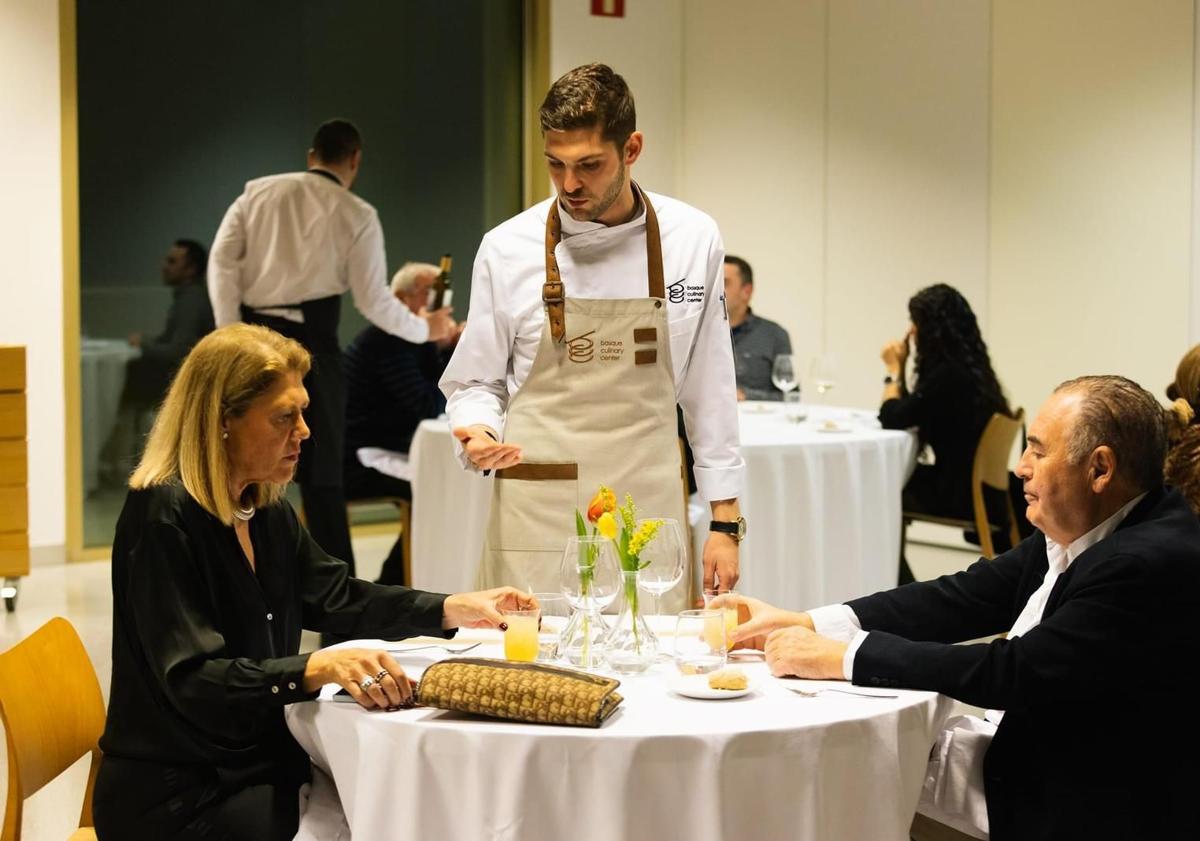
{"points": [[713, 483], [286, 679], [851, 651], [835, 622]]}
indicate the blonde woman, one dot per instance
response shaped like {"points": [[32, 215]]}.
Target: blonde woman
{"points": [[213, 580], [1183, 459]]}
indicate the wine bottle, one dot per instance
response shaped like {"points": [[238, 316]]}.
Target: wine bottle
{"points": [[442, 293]]}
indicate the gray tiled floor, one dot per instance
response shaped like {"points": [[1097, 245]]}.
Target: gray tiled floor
{"points": [[80, 592]]}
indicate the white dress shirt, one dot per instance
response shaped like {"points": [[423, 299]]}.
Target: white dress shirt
{"points": [[496, 352], [298, 237]]}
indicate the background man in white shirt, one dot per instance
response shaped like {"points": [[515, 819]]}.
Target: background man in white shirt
{"points": [[556, 415], [1098, 608], [288, 248]]}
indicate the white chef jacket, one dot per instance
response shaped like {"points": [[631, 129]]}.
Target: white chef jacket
{"points": [[496, 352], [298, 237]]}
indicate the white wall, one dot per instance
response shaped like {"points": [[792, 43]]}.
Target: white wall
{"points": [[31, 244], [645, 48], [1091, 191], [1036, 154]]}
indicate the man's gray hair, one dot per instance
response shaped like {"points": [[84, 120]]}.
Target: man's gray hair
{"points": [[404, 279], [1120, 413]]}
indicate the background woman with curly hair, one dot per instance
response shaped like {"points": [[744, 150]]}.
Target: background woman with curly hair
{"points": [[954, 395], [1183, 459]]}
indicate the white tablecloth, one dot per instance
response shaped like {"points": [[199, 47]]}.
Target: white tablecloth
{"points": [[771, 765], [102, 378], [823, 507]]}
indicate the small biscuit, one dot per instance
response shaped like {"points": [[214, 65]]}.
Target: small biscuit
{"points": [[731, 679]]}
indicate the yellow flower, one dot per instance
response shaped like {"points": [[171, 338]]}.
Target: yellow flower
{"points": [[643, 535], [605, 501], [606, 524]]}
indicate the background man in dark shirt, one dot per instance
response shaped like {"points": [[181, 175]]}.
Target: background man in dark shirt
{"points": [[189, 318], [756, 341], [392, 387]]}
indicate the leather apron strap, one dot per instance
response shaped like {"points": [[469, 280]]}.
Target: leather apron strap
{"points": [[553, 292]]}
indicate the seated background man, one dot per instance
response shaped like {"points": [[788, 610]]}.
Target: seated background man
{"points": [[756, 341], [189, 318], [147, 375], [1100, 608], [391, 386]]}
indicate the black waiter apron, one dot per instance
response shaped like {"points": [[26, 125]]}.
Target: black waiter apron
{"points": [[321, 454]]}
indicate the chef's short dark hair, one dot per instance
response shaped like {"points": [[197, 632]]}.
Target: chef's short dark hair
{"points": [[336, 141], [591, 96]]}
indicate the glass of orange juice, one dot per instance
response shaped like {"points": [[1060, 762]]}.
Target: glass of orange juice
{"points": [[521, 638], [729, 620]]}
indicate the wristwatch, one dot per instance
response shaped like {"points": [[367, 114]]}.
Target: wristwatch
{"points": [[736, 529]]}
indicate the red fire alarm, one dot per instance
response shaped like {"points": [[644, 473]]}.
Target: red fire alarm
{"points": [[608, 8]]}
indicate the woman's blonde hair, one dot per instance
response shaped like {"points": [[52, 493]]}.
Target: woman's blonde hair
{"points": [[225, 372]]}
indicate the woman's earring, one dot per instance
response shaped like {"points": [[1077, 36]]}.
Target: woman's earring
{"points": [[224, 435]]}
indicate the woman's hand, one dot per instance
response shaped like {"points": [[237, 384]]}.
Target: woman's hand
{"points": [[895, 354], [481, 609], [387, 687], [764, 619]]}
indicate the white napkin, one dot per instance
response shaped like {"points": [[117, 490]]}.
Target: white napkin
{"points": [[321, 815], [388, 462], [953, 791]]}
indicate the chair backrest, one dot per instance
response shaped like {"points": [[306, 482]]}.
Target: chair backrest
{"points": [[994, 449], [53, 714]]}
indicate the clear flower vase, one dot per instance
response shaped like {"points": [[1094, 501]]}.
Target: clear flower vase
{"points": [[582, 641], [631, 646]]}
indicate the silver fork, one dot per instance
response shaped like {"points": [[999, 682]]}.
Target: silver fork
{"points": [[446, 648], [813, 693]]}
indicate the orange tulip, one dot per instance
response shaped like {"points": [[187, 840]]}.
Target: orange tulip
{"points": [[605, 501]]}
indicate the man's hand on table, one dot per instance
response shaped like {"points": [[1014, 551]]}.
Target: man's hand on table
{"points": [[764, 619], [801, 652], [388, 686], [484, 450], [481, 609]]}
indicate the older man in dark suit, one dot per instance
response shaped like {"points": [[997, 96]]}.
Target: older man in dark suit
{"points": [[1099, 608]]}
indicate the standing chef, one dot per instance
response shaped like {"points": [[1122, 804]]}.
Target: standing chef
{"points": [[288, 248], [592, 314]]}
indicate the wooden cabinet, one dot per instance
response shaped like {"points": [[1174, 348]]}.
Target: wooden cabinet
{"points": [[14, 471]]}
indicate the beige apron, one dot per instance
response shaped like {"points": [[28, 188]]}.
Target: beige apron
{"points": [[597, 408]]}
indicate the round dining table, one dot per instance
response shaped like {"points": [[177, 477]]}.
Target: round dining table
{"points": [[821, 498], [773, 764]]}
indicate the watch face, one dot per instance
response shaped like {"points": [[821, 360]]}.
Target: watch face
{"points": [[741, 527]]}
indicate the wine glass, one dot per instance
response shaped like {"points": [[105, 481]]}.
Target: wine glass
{"points": [[589, 579], [663, 559], [823, 372], [783, 374]]}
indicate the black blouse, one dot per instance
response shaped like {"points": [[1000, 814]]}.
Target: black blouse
{"points": [[205, 648], [949, 419]]}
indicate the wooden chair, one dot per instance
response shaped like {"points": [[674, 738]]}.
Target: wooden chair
{"points": [[53, 714], [990, 468], [404, 512]]}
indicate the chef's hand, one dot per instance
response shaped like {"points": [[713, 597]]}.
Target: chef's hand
{"points": [[484, 451], [799, 652], [481, 609], [762, 619], [441, 325], [720, 562], [388, 687]]}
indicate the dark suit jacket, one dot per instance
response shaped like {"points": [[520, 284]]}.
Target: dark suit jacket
{"points": [[1096, 740]]}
